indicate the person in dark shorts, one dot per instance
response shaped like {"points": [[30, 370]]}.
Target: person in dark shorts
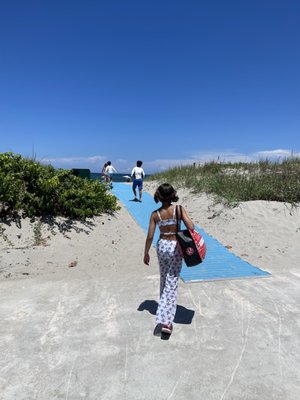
{"points": [[138, 174]]}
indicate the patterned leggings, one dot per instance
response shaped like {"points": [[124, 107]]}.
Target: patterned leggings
{"points": [[170, 262]]}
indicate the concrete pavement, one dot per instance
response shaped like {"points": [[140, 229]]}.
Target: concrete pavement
{"points": [[93, 338]]}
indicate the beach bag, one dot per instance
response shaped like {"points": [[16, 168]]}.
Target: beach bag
{"points": [[191, 244]]}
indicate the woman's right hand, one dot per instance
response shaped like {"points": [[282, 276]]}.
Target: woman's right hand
{"points": [[146, 259]]}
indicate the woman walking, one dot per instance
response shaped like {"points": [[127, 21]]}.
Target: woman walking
{"points": [[169, 257]]}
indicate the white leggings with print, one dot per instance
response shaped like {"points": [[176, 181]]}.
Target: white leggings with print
{"points": [[170, 262]]}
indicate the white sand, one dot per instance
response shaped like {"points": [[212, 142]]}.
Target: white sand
{"points": [[267, 234], [264, 233], [87, 248]]}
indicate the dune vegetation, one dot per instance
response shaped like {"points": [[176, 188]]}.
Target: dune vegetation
{"points": [[235, 182], [34, 189]]}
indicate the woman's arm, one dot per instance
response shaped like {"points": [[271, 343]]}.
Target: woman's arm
{"points": [[149, 239], [186, 219]]}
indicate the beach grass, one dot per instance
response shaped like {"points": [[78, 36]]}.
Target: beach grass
{"points": [[232, 183]]}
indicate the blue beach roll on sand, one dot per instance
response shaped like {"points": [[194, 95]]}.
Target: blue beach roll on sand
{"points": [[219, 263]]}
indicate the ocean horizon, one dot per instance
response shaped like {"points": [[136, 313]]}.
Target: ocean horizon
{"points": [[115, 177]]}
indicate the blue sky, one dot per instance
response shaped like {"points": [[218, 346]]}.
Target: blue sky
{"points": [[167, 82]]}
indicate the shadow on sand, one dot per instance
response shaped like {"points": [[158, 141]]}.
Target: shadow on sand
{"points": [[183, 316]]}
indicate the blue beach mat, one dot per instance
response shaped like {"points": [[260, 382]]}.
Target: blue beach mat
{"points": [[219, 263]]}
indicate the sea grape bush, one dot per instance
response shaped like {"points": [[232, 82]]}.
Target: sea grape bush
{"points": [[36, 189]]}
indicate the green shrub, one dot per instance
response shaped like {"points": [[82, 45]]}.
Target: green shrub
{"points": [[38, 190]]}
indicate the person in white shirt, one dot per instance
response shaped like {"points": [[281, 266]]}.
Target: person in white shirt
{"points": [[138, 174], [109, 170]]}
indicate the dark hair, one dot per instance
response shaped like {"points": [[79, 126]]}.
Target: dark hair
{"points": [[165, 192], [108, 163], [139, 163]]}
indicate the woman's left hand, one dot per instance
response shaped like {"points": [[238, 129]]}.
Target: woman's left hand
{"points": [[146, 259]]}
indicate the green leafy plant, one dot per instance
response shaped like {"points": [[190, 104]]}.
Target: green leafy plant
{"points": [[37, 231], [35, 189]]}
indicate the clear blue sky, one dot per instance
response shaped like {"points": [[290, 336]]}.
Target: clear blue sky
{"points": [[167, 82]]}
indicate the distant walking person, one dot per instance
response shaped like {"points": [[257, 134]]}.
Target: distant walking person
{"points": [[109, 170], [104, 174], [138, 174]]}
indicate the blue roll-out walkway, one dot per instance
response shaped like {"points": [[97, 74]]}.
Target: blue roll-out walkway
{"points": [[219, 263]]}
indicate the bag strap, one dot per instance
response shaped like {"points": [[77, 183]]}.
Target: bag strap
{"points": [[177, 219]]}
